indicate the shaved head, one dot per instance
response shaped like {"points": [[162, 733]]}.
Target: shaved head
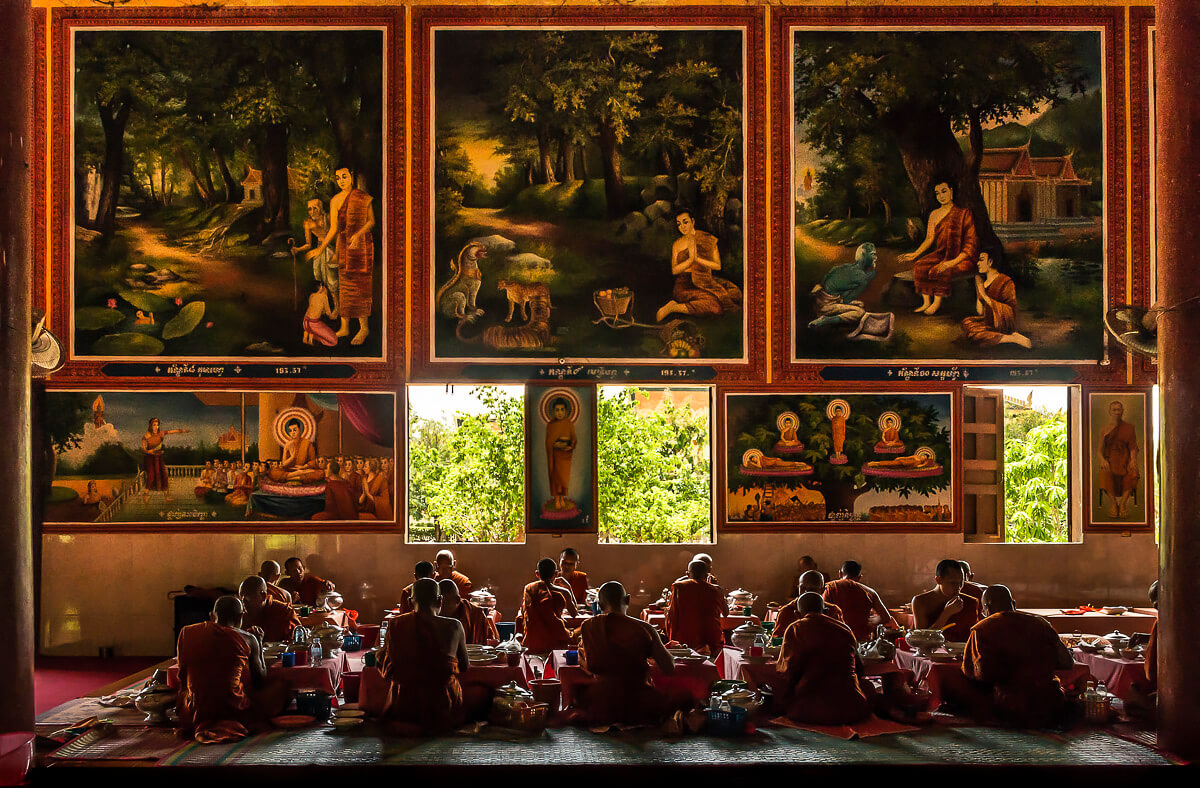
{"points": [[546, 568], [966, 569], [851, 570], [269, 571], [449, 591], [423, 569], [998, 599], [294, 566], [704, 557], [948, 567], [813, 581], [807, 562], [253, 585], [810, 603], [444, 556], [698, 570], [613, 597], [425, 593], [228, 611]]}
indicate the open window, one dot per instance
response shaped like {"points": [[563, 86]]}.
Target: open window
{"points": [[655, 465], [1020, 480], [466, 463]]}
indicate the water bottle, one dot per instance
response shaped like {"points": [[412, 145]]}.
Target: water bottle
{"points": [[316, 654], [383, 626]]}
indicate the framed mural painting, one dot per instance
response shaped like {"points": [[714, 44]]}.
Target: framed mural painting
{"points": [[560, 455], [589, 189], [224, 186], [836, 461], [1120, 466], [945, 182], [210, 459]]}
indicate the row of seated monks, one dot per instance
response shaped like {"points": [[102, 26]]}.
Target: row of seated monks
{"points": [[1008, 667]]}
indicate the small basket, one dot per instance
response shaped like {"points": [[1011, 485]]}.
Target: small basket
{"points": [[726, 723]]}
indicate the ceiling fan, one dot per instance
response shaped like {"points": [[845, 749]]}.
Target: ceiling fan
{"points": [[1134, 328]]}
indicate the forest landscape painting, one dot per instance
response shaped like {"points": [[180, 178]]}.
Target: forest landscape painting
{"points": [[228, 193], [588, 194], [948, 194]]}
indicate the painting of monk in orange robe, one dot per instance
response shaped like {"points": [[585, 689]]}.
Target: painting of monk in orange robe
{"points": [[561, 450], [1117, 458], [949, 249]]}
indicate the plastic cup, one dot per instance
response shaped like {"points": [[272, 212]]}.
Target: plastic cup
{"points": [[571, 657]]}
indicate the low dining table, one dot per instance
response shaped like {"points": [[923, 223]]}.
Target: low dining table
{"points": [[759, 673], [938, 675], [658, 620], [325, 675], [1120, 675], [1134, 621], [693, 677], [373, 687]]}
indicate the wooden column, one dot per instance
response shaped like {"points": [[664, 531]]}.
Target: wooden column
{"points": [[1177, 27], [16, 563]]}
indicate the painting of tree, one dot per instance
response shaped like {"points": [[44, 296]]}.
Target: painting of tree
{"points": [[811, 482]]}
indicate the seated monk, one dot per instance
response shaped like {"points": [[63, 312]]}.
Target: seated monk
{"points": [[615, 649], [445, 571], [421, 659], [477, 624], [806, 564], [822, 670], [1014, 656], [570, 577], [299, 462], [340, 500], [862, 608], [542, 606], [810, 582], [204, 484], [771, 463], [695, 610], [970, 588], [302, 585], [708, 562], [270, 572], [421, 571], [222, 677], [945, 607], [273, 619]]}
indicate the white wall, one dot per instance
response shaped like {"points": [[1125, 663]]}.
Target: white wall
{"points": [[111, 589]]}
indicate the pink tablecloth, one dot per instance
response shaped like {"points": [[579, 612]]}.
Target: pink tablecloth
{"points": [[1119, 675], [938, 676], [658, 620], [326, 675], [758, 674], [373, 687], [695, 678], [1095, 623]]}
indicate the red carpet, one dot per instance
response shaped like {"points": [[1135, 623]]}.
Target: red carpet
{"points": [[57, 680]]}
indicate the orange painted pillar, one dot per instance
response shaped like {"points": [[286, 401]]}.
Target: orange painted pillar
{"points": [[1177, 33], [16, 563]]}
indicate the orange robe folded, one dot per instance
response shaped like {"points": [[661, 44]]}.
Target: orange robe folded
{"points": [[694, 615], [406, 604], [616, 650], [275, 619], [856, 602], [1017, 654], [214, 679], [999, 318], [424, 687], [278, 594], [542, 606], [1152, 658], [790, 614], [820, 659], [476, 623], [462, 581], [577, 582]]}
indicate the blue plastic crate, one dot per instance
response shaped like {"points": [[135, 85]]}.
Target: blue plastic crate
{"points": [[726, 723]]}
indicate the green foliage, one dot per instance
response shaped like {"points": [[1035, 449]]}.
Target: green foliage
{"points": [[655, 471], [185, 322], [1036, 477], [470, 479], [96, 318], [128, 344], [65, 415]]}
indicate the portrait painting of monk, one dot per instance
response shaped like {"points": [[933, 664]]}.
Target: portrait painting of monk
{"points": [[1117, 455]]}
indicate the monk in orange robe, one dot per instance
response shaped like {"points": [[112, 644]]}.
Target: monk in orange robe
{"points": [[616, 649], [822, 670], [270, 572], [570, 577], [971, 588], [945, 607], [542, 606], [806, 564], [219, 665], [303, 586], [996, 308], [813, 582], [1119, 461], [446, 571], [273, 619], [1014, 656], [862, 608], [479, 628], [422, 659], [354, 219], [422, 570], [708, 562], [949, 249], [695, 611], [560, 451]]}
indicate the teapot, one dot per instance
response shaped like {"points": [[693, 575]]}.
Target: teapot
{"points": [[483, 598], [1118, 640], [740, 597], [743, 637]]}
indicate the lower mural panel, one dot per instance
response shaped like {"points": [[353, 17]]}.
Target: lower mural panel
{"points": [[125, 458], [797, 461]]}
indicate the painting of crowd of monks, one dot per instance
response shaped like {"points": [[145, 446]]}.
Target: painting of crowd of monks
{"points": [[950, 204], [1119, 460], [216, 457], [802, 460]]}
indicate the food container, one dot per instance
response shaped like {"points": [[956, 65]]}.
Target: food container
{"points": [[740, 598], [154, 702], [506, 698], [925, 640], [330, 636], [743, 637], [548, 691], [1117, 640]]}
